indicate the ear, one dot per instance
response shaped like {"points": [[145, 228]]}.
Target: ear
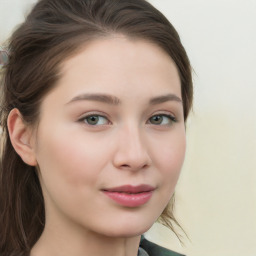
{"points": [[21, 137]]}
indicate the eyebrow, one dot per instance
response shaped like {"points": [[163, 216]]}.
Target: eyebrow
{"points": [[105, 98], [164, 98], [113, 100]]}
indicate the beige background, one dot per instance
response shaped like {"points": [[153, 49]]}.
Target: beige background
{"points": [[216, 194]]}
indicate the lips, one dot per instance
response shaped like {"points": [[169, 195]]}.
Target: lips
{"points": [[130, 196]]}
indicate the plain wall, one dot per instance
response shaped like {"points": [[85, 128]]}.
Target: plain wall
{"points": [[216, 194]]}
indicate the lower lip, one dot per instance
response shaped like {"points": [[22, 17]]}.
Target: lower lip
{"points": [[129, 200]]}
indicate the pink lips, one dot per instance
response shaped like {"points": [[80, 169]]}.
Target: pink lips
{"points": [[130, 196]]}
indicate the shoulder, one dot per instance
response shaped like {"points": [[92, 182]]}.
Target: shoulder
{"points": [[155, 250]]}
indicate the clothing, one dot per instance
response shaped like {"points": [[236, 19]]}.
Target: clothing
{"points": [[148, 248]]}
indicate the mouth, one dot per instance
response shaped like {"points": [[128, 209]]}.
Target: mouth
{"points": [[130, 196]]}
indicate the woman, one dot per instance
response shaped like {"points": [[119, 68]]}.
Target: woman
{"points": [[95, 98]]}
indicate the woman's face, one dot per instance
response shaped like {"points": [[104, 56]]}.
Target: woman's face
{"points": [[111, 138]]}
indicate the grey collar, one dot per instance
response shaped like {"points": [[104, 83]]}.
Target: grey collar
{"points": [[142, 252]]}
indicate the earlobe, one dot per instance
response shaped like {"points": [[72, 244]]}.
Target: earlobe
{"points": [[20, 135]]}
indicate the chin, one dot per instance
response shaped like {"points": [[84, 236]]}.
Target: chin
{"points": [[128, 230]]}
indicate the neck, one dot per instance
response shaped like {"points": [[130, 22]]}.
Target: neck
{"points": [[60, 241]]}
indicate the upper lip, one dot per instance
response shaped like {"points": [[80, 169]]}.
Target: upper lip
{"points": [[131, 189]]}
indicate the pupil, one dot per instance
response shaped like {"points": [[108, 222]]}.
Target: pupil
{"points": [[157, 119], [93, 119]]}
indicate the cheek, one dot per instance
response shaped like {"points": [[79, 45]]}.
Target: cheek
{"points": [[69, 167], [69, 158], [169, 160]]}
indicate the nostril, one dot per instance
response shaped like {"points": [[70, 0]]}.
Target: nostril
{"points": [[134, 167], [125, 166]]}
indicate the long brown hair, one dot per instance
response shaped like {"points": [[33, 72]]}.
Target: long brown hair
{"points": [[52, 32]]}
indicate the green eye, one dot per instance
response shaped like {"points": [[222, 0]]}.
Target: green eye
{"points": [[156, 119], [95, 120], [162, 119]]}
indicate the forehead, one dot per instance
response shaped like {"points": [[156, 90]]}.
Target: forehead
{"points": [[119, 63], [114, 48]]}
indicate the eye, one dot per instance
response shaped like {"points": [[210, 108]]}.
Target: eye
{"points": [[162, 119], [95, 120]]}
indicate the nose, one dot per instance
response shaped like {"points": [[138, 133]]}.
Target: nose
{"points": [[131, 151]]}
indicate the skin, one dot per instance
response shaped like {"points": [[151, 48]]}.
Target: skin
{"points": [[130, 141]]}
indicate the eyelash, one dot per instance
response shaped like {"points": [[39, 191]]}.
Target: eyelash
{"points": [[171, 119], [84, 119]]}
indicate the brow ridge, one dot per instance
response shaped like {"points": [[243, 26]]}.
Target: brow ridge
{"points": [[104, 98], [164, 98], [113, 100]]}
